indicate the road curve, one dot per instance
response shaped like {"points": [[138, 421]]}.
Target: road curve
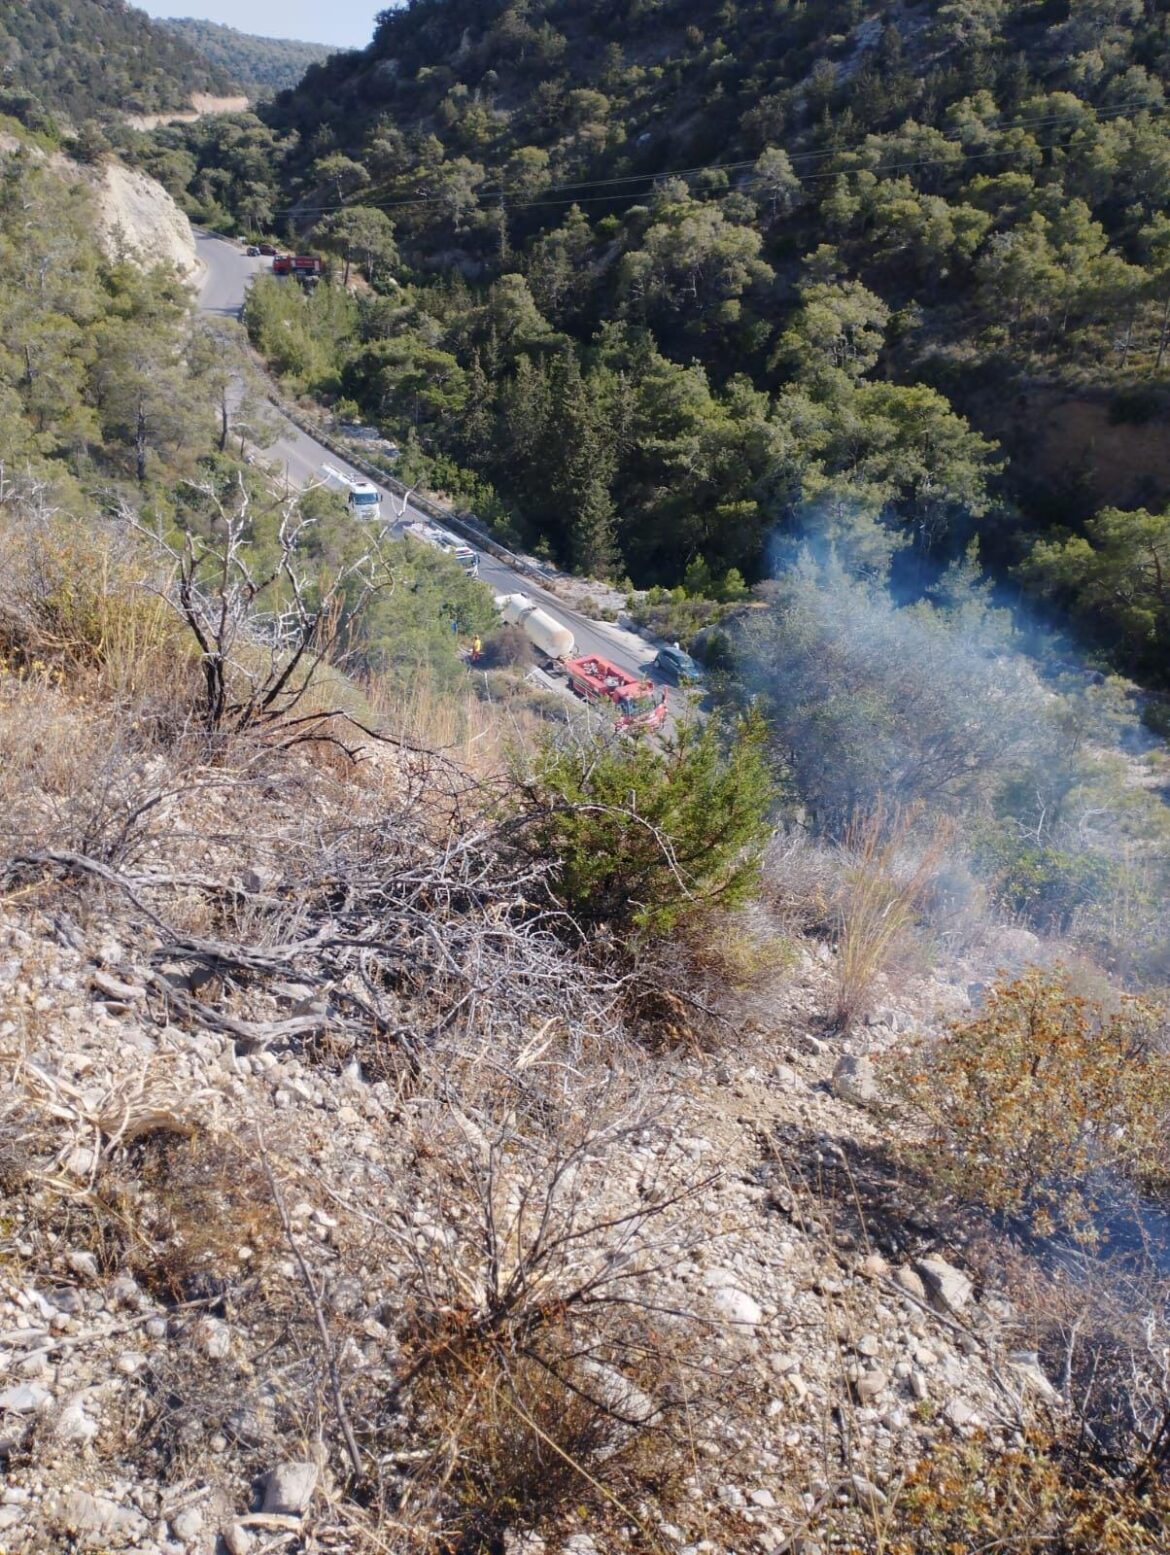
{"points": [[227, 274]]}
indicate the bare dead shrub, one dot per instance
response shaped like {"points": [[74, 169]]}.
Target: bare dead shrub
{"points": [[1097, 1320], [262, 631], [540, 1367], [507, 647]]}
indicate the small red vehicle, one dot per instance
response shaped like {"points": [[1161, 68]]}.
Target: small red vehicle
{"points": [[639, 704]]}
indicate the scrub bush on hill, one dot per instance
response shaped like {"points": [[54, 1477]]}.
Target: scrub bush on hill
{"points": [[867, 701], [1024, 1106], [644, 835], [1045, 1495], [1043, 773]]}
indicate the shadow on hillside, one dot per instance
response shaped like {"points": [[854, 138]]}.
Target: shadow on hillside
{"points": [[856, 1194]]}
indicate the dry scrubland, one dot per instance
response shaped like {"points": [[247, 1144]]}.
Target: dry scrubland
{"points": [[355, 1200]]}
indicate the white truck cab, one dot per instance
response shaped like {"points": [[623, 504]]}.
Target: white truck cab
{"points": [[363, 498]]}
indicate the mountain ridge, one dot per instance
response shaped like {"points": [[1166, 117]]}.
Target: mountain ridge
{"points": [[75, 60], [260, 64]]}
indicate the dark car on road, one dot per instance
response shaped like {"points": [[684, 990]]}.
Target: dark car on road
{"points": [[673, 664], [267, 248]]}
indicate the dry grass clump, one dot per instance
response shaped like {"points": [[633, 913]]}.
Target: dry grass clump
{"points": [[870, 895], [73, 777], [190, 1218], [202, 1218], [478, 733], [97, 683], [885, 876], [697, 987], [798, 882], [76, 609], [742, 952], [140, 1176]]}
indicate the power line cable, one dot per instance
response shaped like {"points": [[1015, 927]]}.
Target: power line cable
{"points": [[497, 191]]}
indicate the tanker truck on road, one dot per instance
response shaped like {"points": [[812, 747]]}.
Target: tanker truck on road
{"points": [[538, 626], [635, 702]]}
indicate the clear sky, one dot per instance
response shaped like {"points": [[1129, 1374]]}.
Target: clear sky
{"points": [[346, 24]]}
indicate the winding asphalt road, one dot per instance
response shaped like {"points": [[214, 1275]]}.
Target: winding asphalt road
{"points": [[227, 274]]}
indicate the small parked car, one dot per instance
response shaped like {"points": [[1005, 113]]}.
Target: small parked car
{"points": [[268, 249], [673, 664], [253, 251]]}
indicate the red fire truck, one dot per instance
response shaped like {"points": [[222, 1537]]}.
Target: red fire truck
{"points": [[296, 264], [639, 704]]}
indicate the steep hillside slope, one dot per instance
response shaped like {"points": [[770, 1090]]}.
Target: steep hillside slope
{"points": [[133, 216], [260, 65], [434, 1122], [350, 1198], [80, 59]]}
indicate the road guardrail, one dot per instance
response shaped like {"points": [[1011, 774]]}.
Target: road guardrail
{"points": [[464, 523]]}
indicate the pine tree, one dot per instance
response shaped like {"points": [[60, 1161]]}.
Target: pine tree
{"points": [[476, 424], [594, 533], [580, 450]]}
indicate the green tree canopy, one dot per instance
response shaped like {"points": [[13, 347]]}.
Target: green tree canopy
{"points": [[645, 837]]}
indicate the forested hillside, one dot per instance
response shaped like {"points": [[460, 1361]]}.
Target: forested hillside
{"points": [[93, 385], [260, 66], [114, 398], [82, 59], [671, 283]]}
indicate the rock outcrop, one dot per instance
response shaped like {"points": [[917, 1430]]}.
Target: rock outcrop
{"points": [[136, 218], [139, 219]]}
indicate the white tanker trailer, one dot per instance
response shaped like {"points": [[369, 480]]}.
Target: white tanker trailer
{"points": [[540, 628]]}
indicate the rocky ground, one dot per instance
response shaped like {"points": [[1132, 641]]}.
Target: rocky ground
{"points": [[206, 1241]]}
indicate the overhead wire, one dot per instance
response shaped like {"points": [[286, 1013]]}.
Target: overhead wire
{"points": [[496, 193]]}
